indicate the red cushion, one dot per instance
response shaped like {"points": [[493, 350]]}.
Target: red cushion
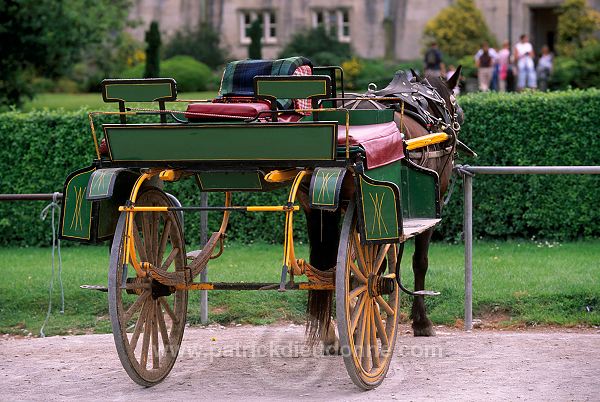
{"points": [[224, 111]]}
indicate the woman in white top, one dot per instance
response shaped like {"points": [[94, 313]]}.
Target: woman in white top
{"points": [[524, 55]]}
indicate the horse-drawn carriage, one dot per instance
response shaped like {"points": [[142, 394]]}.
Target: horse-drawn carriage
{"points": [[276, 124]]}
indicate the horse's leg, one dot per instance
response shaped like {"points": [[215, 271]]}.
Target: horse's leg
{"points": [[421, 325], [323, 235]]}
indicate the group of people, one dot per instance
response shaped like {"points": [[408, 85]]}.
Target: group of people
{"points": [[495, 68]]}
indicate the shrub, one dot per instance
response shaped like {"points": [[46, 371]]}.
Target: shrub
{"points": [[359, 73], [578, 24], [557, 128], [153, 44], [458, 29], [190, 74], [201, 43], [581, 70]]}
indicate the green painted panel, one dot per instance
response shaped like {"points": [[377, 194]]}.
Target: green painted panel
{"points": [[77, 216], [230, 180], [217, 142], [359, 117], [419, 194], [292, 89], [100, 181], [380, 215], [138, 92], [389, 172], [324, 186]]}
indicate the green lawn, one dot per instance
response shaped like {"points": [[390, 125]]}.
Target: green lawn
{"points": [[93, 101], [521, 282]]}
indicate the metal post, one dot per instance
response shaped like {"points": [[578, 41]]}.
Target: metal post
{"points": [[468, 233], [204, 273]]}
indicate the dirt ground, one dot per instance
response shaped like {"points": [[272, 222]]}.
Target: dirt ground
{"points": [[272, 362]]}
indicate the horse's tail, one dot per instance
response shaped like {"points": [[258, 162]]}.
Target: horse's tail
{"points": [[323, 235], [318, 308]]}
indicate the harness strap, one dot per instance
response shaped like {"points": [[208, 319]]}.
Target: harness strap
{"points": [[430, 154]]}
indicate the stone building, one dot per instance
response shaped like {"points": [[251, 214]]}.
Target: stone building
{"points": [[375, 28]]}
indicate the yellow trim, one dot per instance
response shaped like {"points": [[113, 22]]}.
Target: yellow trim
{"points": [[288, 244], [278, 176], [275, 208], [426, 140]]}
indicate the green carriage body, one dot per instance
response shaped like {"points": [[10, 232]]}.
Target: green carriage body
{"points": [[235, 156]]}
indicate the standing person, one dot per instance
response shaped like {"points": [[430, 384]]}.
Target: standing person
{"points": [[544, 67], [503, 65], [524, 55], [484, 60], [434, 65]]}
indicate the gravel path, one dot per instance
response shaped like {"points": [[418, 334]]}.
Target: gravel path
{"points": [[272, 362]]}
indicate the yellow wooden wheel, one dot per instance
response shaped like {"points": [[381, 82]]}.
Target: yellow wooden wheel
{"points": [[367, 302], [147, 317]]}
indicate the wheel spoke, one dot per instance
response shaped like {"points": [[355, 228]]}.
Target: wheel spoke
{"points": [[135, 306], [383, 304], [155, 228], [357, 291], [147, 334], [169, 311], [170, 258], [359, 251], [357, 313], [139, 325], [139, 247], [357, 272], [163, 328], [358, 345], [380, 257], [155, 350], [163, 241], [374, 346], [146, 229], [366, 351], [381, 328]]}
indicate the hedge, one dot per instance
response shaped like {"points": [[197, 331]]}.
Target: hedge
{"points": [[40, 148], [553, 128]]}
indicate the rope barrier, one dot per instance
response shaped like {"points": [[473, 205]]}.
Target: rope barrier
{"points": [[53, 206]]}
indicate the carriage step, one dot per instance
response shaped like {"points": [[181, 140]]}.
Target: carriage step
{"points": [[193, 254], [426, 293], [95, 287]]}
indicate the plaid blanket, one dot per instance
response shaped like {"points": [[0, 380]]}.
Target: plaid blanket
{"points": [[239, 75]]}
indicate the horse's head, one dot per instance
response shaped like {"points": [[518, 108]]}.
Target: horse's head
{"points": [[446, 90]]}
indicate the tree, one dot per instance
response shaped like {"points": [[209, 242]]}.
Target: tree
{"points": [[578, 61], [459, 29], [577, 26], [47, 37], [319, 46], [255, 33], [201, 43], [152, 51]]}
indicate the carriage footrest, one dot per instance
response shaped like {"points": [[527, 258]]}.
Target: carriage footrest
{"points": [[193, 254], [426, 293], [99, 288]]}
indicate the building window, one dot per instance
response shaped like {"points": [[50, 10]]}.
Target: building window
{"points": [[268, 20], [336, 21]]}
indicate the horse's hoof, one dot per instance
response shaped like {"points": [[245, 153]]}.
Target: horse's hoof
{"points": [[331, 349], [423, 330]]}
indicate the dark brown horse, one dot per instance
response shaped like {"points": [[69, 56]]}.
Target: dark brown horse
{"points": [[324, 228]]}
